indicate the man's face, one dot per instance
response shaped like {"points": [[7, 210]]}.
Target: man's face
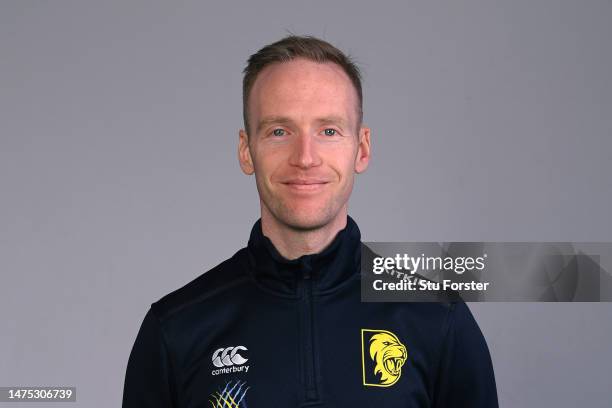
{"points": [[304, 145]]}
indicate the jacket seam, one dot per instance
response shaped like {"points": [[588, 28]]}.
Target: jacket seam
{"points": [[171, 360], [448, 324], [177, 309]]}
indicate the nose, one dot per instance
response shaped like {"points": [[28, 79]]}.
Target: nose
{"points": [[304, 151]]}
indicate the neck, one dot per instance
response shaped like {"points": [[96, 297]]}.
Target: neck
{"points": [[292, 242]]}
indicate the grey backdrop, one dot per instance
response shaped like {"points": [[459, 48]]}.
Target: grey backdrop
{"points": [[119, 180]]}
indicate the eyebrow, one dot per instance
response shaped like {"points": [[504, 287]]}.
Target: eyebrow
{"points": [[326, 120]]}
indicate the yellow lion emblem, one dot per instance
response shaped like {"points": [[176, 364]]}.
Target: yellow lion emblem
{"points": [[389, 355]]}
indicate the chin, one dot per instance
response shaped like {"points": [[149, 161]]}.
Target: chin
{"points": [[302, 214], [305, 220]]}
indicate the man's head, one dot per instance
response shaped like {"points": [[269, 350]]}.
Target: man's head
{"points": [[290, 48], [304, 138]]}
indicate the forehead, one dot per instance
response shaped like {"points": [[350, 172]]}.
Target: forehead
{"points": [[303, 89]]}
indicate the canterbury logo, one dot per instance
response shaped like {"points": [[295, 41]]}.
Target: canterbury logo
{"points": [[383, 357], [225, 357]]}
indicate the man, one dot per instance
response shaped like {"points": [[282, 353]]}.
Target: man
{"points": [[280, 323]]}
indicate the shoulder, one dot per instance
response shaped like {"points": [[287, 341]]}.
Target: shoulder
{"points": [[213, 283]]}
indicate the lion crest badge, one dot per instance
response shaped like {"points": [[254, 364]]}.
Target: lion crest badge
{"points": [[382, 357]]}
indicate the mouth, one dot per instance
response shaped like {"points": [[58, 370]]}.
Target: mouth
{"points": [[393, 365], [305, 185]]}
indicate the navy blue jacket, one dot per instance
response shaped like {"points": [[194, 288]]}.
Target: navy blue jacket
{"points": [[261, 331]]}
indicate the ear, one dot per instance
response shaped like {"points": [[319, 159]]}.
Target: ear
{"points": [[244, 153], [363, 150]]}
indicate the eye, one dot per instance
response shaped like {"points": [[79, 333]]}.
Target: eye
{"points": [[330, 132], [278, 132], [386, 343]]}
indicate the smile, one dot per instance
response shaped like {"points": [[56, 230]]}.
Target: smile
{"points": [[305, 186]]}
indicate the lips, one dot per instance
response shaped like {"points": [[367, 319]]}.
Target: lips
{"points": [[305, 184], [305, 181]]}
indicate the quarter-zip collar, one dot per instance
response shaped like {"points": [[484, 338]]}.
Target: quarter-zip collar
{"points": [[328, 269]]}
